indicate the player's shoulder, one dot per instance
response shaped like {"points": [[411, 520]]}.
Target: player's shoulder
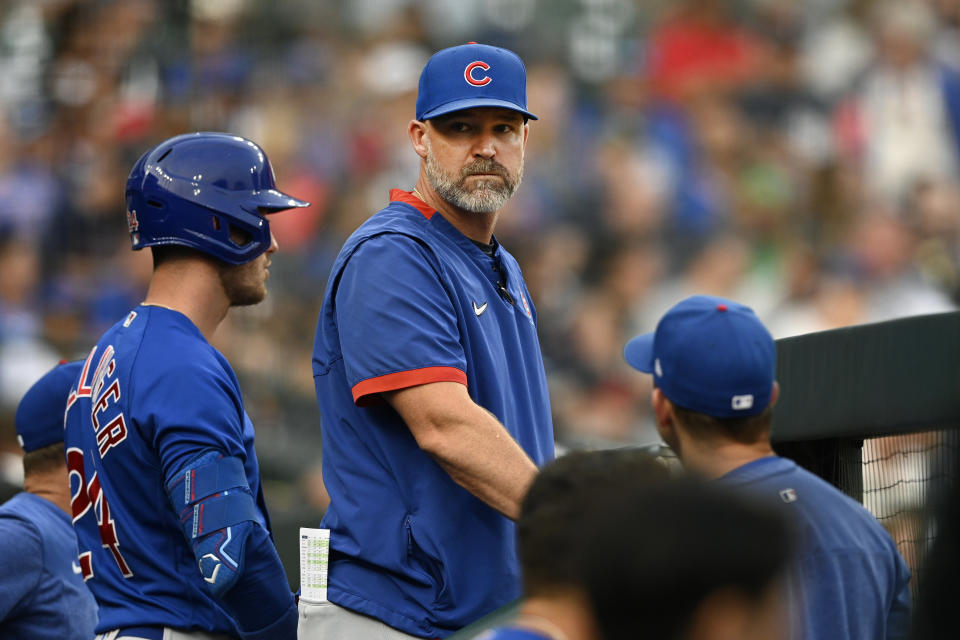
{"points": [[18, 527], [21, 552], [390, 244], [151, 325], [825, 503], [814, 489], [170, 331], [170, 347], [184, 368], [399, 216], [813, 483], [396, 222]]}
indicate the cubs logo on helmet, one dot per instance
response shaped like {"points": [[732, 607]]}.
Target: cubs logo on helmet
{"points": [[132, 222]]}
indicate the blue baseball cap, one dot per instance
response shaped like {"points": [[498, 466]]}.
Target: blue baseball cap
{"points": [[709, 355], [472, 75], [39, 417]]}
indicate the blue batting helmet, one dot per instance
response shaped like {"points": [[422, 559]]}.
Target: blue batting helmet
{"points": [[196, 189]]}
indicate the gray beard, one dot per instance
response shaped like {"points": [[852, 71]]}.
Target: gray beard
{"points": [[488, 196]]}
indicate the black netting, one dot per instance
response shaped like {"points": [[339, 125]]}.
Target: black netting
{"points": [[903, 479]]}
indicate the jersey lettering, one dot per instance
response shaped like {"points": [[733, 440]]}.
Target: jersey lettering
{"points": [[86, 565], [79, 500], [111, 435], [115, 431], [108, 530], [91, 494], [82, 391], [102, 402], [104, 369]]}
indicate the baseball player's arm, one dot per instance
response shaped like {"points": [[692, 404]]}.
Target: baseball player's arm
{"points": [[197, 432], [235, 555], [468, 442]]}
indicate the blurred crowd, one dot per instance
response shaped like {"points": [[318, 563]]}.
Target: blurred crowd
{"points": [[800, 157]]}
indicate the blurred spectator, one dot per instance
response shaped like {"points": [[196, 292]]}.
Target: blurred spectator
{"points": [[698, 47], [24, 356], [903, 121], [883, 252], [29, 192]]}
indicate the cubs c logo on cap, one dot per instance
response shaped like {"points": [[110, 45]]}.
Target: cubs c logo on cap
{"points": [[492, 77], [469, 77]]}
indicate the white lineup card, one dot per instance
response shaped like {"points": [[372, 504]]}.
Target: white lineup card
{"points": [[314, 559]]}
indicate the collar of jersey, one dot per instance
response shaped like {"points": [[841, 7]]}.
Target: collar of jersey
{"points": [[757, 469], [408, 198], [53, 510], [159, 308]]}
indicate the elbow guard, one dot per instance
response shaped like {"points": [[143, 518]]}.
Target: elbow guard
{"points": [[217, 514]]}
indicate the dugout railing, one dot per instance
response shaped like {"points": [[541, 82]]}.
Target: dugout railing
{"points": [[873, 409]]}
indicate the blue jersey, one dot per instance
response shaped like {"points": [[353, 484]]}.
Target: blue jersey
{"points": [[411, 301], [42, 595], [153, 394], [852, 581]]}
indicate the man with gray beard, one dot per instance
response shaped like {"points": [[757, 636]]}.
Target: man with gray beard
{"points": [[429, 376]]}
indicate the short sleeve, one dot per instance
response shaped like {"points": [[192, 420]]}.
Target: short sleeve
{"points": [[397, 324], [21, 563]]}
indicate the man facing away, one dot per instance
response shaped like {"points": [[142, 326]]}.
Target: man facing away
{"points": [[429, 376], [42, 595], [166, 498], [713, 364], [552, 547], [612, 548]]}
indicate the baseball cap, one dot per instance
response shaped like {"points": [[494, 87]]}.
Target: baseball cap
{"points": [[39, 417], [709, 355], [472, 75]]}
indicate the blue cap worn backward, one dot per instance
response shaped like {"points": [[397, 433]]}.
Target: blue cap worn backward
{"points": [[472, 75], [39, 418], [709, 355]]}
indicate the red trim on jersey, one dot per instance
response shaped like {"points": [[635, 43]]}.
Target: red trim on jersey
{"points": [[364, 392], [407, 197]]}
